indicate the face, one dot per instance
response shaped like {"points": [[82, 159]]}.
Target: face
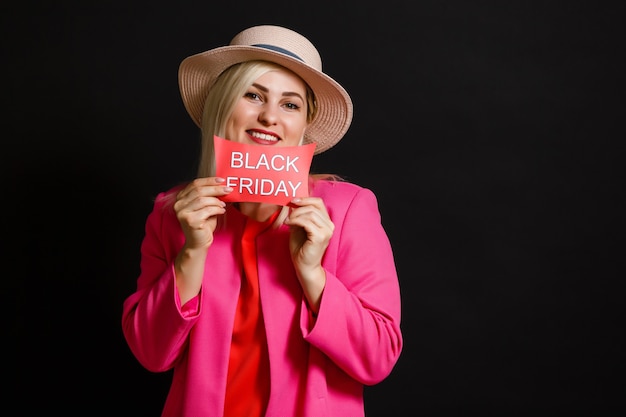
{"points": [[272, 112]]}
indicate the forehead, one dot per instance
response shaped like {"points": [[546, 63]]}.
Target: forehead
{"points": [[282, 79]]}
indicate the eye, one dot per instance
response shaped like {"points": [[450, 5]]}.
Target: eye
{"points": [[252, 95], [292, 106]]}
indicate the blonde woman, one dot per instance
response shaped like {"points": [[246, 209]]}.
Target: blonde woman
{"points": [[265, 310]]}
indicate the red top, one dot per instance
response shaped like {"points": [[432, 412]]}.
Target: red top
{"points": [[248, 384]]}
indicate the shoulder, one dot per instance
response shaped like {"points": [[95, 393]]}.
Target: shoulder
{"points": [[327, 188], [163, 204], [167, 198], [342, 194]]}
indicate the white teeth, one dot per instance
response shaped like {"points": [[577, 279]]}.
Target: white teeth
{"points": [[263, 136]]}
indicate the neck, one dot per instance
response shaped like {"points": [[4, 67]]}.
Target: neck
{"points": [[257, 211]]}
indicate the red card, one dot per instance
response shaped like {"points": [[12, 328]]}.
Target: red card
{"points": [[263, 174]]}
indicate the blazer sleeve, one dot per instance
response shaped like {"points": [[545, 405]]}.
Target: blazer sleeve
{"points": [[358, 324], [154, 323]]}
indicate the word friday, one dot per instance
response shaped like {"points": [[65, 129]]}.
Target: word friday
{"points": [[264, 186]]}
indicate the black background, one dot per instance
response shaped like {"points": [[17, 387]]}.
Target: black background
{"points": [[492, 133]]}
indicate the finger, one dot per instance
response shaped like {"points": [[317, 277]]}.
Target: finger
{"points": [[307, 201], [196, 219], [204, 186], [200, 203], [201, 217], [313, 223]]}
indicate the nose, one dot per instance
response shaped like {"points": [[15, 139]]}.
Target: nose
{"points": [[268, 115]]}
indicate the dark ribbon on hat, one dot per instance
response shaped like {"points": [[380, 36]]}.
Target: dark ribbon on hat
{"points": [[278, 49]]}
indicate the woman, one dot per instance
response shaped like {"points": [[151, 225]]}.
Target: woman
{"points": [[263, 310]]}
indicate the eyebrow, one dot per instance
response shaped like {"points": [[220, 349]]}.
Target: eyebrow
{"points": [[285, 94]]}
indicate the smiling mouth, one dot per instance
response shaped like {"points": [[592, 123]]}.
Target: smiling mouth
{"points": [[263, 136]]}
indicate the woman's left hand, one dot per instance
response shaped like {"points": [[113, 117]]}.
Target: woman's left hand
{"points": [[311, 230]]}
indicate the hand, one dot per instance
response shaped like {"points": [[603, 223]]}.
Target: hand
{"points": [[197, 207], [311, 230]]}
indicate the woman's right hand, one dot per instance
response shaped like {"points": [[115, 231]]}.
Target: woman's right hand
{"points": [[197, 207]]}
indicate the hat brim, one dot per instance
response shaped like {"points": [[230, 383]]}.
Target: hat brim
{"points": [[198, 73]]}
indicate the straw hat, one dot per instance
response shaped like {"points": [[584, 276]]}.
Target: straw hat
{"points": [[197, 74]]}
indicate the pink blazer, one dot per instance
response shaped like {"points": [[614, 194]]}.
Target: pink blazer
{"points": [[318, 365]]}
